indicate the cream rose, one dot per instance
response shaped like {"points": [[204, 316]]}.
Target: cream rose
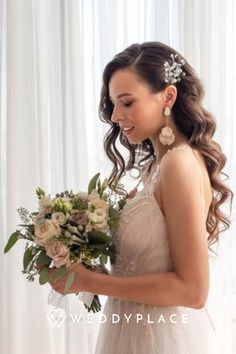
{"points": [[99, 215], [99, 218], [58, 252], [46, 231], [99, 203], [58, 218], [102, 227], [45, 202]]}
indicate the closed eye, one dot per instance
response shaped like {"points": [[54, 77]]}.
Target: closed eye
{"points": [[128, 104], [125, 104]]}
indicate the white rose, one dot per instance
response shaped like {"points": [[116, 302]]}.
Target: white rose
{"points": [[99, 215], [46, 231], [58, 252], [82, 195], [45, 202], [58, 218], [101, 227]]}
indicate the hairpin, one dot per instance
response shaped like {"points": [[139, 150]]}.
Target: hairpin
{"points": [[173, 71]]}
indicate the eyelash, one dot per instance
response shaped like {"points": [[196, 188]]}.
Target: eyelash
{"points": [[128, 104], [125, 104]]}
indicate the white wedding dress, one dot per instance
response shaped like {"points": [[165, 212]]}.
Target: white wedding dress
{"points": [[142, 246]]}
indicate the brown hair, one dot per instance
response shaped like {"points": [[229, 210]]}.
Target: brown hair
{"points": [[192, 119]]}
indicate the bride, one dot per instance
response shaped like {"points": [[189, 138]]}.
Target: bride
{"points": [[152, 100]]}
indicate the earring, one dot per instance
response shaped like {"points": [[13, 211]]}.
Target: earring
{"points": [[167, 136]]}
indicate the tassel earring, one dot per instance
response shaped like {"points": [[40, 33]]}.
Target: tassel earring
{"points": [[167, 136]]}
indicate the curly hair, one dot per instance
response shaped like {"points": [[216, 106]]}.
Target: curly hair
{"points": [[196, 123]]}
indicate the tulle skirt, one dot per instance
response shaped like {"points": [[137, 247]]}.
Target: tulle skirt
{"points": [[130, 327]]}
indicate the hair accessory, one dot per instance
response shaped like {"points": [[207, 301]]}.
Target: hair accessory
{"points": [[173, 71]]}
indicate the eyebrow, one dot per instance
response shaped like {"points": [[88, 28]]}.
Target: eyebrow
{"points": [[122, 94]]}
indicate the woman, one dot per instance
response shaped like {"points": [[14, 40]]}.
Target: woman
{"points": [[158, 286]]}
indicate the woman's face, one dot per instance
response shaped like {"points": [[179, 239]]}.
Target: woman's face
{"points": [[135, 106]]}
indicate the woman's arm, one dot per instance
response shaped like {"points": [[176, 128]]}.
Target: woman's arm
{"points": [[162, 289]]}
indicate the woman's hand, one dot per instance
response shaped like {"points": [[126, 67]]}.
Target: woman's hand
{"points": [[80, 283]]}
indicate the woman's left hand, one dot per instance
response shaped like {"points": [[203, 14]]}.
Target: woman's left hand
{"points": [[80, 283]]}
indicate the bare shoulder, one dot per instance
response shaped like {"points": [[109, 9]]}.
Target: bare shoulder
{"points": [[186, 168], [181, 186], [180, 165]]}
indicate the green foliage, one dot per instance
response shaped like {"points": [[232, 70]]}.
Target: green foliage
{"points": [[40, 193], [93, 183], [69, 282], [43, 276], [121, 203], [43, 259], [12, 240], [103, 259], [59, 273], [61, 205], [28, 257], [99, 237]]}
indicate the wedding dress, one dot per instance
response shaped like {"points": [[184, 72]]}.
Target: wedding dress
{"points": [[142, 246]]}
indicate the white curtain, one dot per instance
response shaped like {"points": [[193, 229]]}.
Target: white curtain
{"points": [[52, 57]]}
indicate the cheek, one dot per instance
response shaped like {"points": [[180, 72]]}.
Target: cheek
{"points": [[146, 116]]}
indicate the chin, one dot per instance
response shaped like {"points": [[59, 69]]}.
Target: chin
{"points": [[134, 140]]}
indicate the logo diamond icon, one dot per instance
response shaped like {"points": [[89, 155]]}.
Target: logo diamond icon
{"points": [[56, 317]]}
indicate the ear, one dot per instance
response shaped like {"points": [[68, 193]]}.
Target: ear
{"points": [[170, 95]]}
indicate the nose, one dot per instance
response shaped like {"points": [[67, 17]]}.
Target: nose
{"points": [[116, 116]]}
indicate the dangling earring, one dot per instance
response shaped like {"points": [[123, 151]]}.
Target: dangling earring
{"points": [[167, 136]]}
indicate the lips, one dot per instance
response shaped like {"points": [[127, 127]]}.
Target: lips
{"points": [[127, 130]]}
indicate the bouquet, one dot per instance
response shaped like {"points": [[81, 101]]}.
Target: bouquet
{"points": [[70, 228]]}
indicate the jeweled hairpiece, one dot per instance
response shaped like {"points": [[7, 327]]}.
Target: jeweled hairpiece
{"points": [[173, 71]]}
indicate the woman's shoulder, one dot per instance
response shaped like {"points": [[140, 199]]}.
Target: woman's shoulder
{"points": [[180, 156], [182, 163]]}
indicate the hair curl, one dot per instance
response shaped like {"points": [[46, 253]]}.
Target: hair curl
{"points": [[192, 119]]}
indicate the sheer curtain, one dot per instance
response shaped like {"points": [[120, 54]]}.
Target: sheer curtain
{"points": [[52, 57]]}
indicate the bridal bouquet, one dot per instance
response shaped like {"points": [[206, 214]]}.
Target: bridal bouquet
{"points": [[67, 229]]}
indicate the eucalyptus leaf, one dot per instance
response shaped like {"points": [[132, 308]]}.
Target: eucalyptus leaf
{"points": [[43, 276], [12, 240], [59, 273], [102, 249], [103, 258], [113, 213], [93, 182], [27, 258], [69, 281], [43, 259], [98, 237]]}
